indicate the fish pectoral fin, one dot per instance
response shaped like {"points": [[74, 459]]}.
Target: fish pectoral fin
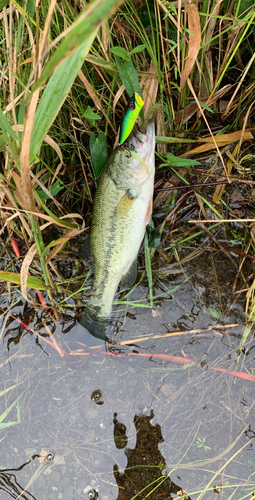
{"points": [[125, 203], [129, 278]]}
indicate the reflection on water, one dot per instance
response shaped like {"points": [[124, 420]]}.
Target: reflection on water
{"points": [[143, 476], [9, 484], [65, 404]]}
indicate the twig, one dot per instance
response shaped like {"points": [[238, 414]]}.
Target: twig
{"points": [[220, 220], [229, 179], [245, 255], [187, 186], [219, 245]]}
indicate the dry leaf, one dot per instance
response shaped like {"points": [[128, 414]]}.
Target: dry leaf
{"points": [[220, 188], [26, 191], [25, 268], [201, 205], [150, 90], [194, 41], [18, 191], [185, 114], [90, 90], [61, 241], [173, 181], [94, 98], [56, 148], [232, 161], [210, 25], [25, 181], [115, 102], [221, 140], [161, 148], [105, 42], [53, 221], [54, 145]]}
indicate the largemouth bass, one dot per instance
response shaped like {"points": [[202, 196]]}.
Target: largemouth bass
{"points": [[121, 210]]}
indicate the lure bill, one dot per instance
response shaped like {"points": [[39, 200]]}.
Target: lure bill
{"points": [[131, 113]]}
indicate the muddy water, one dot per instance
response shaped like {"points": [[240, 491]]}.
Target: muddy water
{"points": [[159, 416]]}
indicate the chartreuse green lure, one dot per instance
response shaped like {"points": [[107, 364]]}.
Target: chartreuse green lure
{"points": [[132, 111]]}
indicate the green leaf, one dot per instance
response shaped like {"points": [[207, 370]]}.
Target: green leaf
{"points": [[2, 144], [98, 151], [172, 9], [67, 61], [8, 131], [137, 49], [7, 411], [3, 3], [129, 77], [15, 278], [180, 162], [174, 45], [243, 6], [154, 240], [54, 217], [125, 77], [82, 29], [2, 393], [54, 190], [189, 32], [90, 115], [55, 94], [203, 105], [120, 52], [214, 313], [174, 140], [102, 63], [6, 127]]}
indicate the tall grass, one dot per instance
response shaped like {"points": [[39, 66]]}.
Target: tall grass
{"points": [[66, 74]]}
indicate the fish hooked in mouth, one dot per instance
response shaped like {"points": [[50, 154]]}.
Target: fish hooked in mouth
{"points": [[122, 208]]}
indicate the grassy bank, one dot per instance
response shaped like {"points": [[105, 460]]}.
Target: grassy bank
{"points": [[67, 71]]}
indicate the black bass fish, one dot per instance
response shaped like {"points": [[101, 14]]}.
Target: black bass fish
{"points": [[121, 210]]}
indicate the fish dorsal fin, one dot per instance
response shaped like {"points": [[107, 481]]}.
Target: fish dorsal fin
{"points": [[125, 203]]}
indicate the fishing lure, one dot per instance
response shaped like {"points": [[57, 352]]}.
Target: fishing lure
{"points": [[132, 111]]}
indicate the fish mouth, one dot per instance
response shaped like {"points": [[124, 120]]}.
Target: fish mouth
{"points": [[138, 138]]}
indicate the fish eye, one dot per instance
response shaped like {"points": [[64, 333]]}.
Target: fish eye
{"points": [[131, 105]]}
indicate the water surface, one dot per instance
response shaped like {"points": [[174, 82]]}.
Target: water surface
{"points": [[128, 421]]}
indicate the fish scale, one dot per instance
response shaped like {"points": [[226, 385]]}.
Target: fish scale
{"points": [[121, 209]]}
